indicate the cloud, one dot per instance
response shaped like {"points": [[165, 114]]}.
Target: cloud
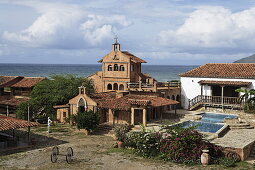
{"points": [[70, 27], [213, 28]]}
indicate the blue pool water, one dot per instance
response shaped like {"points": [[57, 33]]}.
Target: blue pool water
{"points": [[215, 118], [209, 122], [203, 126]]}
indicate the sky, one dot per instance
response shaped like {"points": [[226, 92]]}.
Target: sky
{"points": [[165, 32]]}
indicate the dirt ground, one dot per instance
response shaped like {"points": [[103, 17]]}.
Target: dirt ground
{"points": [[90, 152]]}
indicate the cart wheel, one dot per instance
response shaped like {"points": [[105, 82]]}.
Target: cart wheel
{"points": [[69, 155], [54, 158], [55, 150]]}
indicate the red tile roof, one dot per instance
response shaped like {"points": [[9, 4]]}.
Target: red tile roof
{"points": [[134, 58], [13, 101], [227, 83], [7, 81], [28, 82], [8, 123], [109, 100], [223, 70]]}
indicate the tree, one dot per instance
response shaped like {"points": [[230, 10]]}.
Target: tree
{"points": [[56, 90], [248, 98]]}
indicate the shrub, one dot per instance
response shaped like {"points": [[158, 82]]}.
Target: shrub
{"points": [[120, 131], [86, 120], [185, 145], [145, 143]]}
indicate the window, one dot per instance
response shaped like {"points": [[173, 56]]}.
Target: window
{"points": [[116, 67], [121, 87], [132, 67], [115, 86], [109, 87], [122, 68], [64, 114], [173, 97], [178, 98], [110, 68]]}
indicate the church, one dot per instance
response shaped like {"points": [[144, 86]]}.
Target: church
{"points": [[123, 94]]}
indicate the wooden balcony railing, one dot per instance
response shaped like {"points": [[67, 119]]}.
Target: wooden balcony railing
{"points": [[201, 99]]}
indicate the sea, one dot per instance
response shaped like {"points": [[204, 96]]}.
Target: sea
{"points": [[161, 73]]}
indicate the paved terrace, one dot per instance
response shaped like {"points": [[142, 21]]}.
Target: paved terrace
{"points": [[237, 138]]}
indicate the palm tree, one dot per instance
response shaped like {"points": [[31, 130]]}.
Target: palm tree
{"points": [[248, 97]]}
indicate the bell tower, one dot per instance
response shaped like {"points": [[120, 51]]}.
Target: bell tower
{"points": [[116, 45]]}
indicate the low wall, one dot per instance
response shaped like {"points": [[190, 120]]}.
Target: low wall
{"points": [[244, 153]]}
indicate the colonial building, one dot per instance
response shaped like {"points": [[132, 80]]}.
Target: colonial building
{"points": [[123, 92], [117, 107], [215, 84], [15, 90]]}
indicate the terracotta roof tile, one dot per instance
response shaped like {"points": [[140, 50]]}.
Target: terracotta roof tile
{"points": [[13, 101], [109, 100], [227, 83], [223, 70], [8, 123], [7, 81], [134, 58], [28, 82]]}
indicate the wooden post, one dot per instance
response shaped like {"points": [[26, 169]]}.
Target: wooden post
{"points": [[132, 116], [145, 117], [161, 114], [28, 135], [175, 111]]}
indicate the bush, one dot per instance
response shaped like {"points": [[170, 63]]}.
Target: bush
{"points": [[145, 143], [227, 162], [86, 120], [185, 145], [120, 131]]}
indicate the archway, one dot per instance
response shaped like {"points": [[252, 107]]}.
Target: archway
{"points": [[109, 87], [116, 68], [115, 86], [121, 87], [122, 68], [110, 68], [82, 105]]}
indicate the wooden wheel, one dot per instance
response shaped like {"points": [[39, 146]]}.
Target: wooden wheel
{"points": [[69, 155], [54, 158], [55, 150]]}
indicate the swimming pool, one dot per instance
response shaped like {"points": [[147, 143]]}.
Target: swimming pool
{"points": [[210, 122], [203, 126], [215, 117]]}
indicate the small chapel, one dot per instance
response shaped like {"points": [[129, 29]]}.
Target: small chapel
{"points": [[123, 94]]}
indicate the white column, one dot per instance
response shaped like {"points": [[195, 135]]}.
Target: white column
{"points": [[132, 116], [222, 95], [145, 117]]}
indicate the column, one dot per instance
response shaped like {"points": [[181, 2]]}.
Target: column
{"points": [[145, 117], [132, 116], [222, 95]]}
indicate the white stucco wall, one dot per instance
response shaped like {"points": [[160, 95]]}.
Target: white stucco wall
{"points": [[190, 87]]}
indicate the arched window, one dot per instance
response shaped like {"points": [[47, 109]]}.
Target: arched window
{"points": [[109, 87], [178, 98], [115, 86], [116, 67], [121, 87], [110, 68], [122, 68], [173, 97]]}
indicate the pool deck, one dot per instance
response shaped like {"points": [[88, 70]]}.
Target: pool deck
{"points": [[237, 138]]}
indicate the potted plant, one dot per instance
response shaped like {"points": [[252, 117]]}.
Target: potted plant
{"points": [[120, 131]]}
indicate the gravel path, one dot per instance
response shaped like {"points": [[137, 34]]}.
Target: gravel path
{"points": [[90, 152]]}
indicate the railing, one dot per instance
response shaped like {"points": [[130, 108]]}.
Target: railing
{"points": [[169, 84], [200, 99], [158, 84], [136, 85]]}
